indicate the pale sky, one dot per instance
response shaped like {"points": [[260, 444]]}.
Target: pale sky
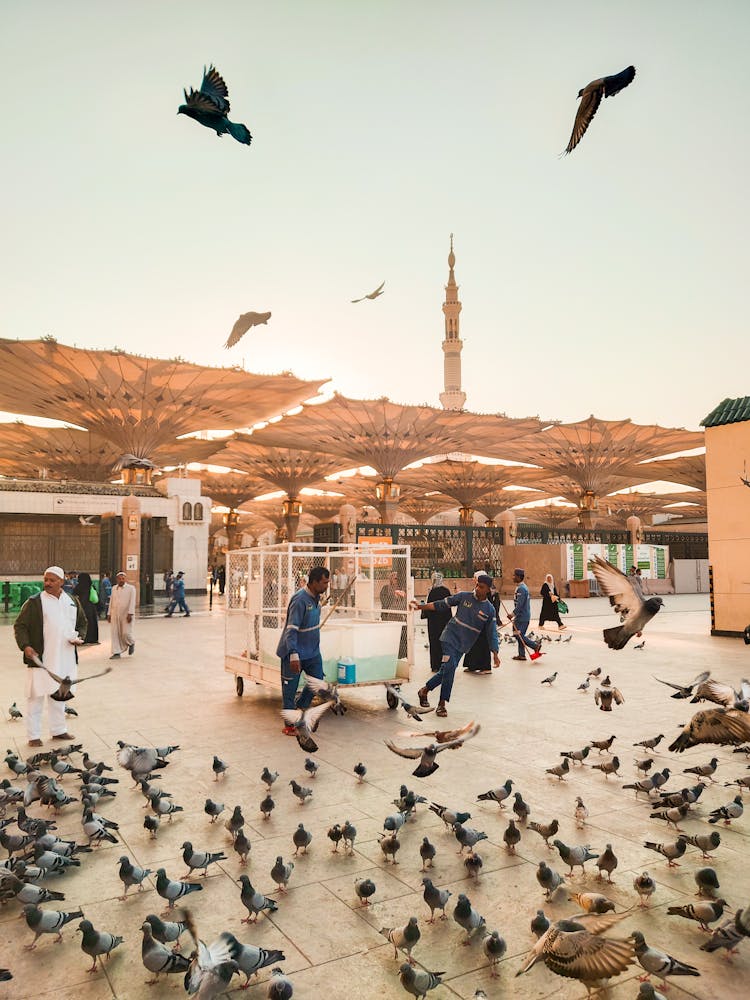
{"points": [[612, 281]]}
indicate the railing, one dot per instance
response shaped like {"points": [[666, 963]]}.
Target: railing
{"points": [[682, 544], [541, 534], [455, 550]]}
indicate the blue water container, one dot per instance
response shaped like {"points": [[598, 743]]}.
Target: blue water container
{"points": [[347, 671]]}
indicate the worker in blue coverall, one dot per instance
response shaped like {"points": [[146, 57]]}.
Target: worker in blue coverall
{"points": [[299, 645]]}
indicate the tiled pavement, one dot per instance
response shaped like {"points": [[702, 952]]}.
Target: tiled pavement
{"points": [[174, 690]]}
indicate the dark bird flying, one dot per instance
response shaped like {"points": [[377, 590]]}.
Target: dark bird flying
{"points": [[209, 106], [633, 610], [591, 97]]}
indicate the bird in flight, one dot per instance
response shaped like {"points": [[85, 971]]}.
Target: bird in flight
{"points": [[209, 106], [633, 610], [372, 295], [243, 324], [591, 98]]}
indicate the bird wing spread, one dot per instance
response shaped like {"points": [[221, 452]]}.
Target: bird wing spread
{"points": [[214, 88], [460, 740], [196, 100], [239, 329], [412, 752], [616, 586], [586, 110], [581, 955], [618, 81], [446, 735], [618, 696]]}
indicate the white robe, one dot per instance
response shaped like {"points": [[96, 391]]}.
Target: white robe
{"points": [[59, 618], [121, 604]]}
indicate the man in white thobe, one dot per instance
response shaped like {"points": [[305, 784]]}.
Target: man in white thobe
{"points": [[49, 627], [121, 615]]}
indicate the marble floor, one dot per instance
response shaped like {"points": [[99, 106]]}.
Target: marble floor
{"points": [[174, 690]]}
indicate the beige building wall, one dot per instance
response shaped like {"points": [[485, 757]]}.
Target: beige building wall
{"points": [[728, 500]]}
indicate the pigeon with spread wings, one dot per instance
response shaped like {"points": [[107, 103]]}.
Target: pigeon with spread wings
{"points": [[591, 97], [305, 722], [723, 726], [633, 610], [426, 754], [209, 106], [64, 693], [244, 323], [372, 295]]}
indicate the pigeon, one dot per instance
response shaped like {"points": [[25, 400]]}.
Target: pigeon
{"points": [[245, 322], [703, 913], [724, 694], [605, 695], [219, 767], [473, 864], [349, 833], [580, 813], [539, 924], [12, 887], [575, 857], [281, 873], [404, 938], [63, 693], [413, 711], [196, 860], [707, 882], [730, 933], [498, 795], [373, 295], [467, 836], [407, 801], [311, 767], [392, 824], [211, 966], [172, 891], [418, 982], [151, 823], [360, 770], [301, 839], [607, 862], [209, 106], [47, 922], [280, 986], [550, 680], [467, 917], [625, 600], [644, 765], [436, 899], [96, 943], [603, 746], [685, 691], [559, 770], [162, 806], [659, 963], [364, 888], [645, 886], [166, 931], [595, 673], [131, 874], [511, 836], [390, 845], [591, 97], [241, 846], [548, 879], [584, 686], [427, 753], [669, 851], [714, 725], [545, 830], [254, 902], [250, 958], [520, 808], [494, 948], [608, 767], [704, 842], [334, 835], [158, 959], [235, 822], [652, 743], [592, 902], [640, 645], [268, 777], [305, 722], [14, 713], [574, 949], [733, 810]]}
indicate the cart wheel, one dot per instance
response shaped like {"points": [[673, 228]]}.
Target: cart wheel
{"points": [[240, 685], [391, 699]]}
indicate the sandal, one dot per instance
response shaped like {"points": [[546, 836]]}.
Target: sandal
{"points": [[422, 695], [441, 711]]}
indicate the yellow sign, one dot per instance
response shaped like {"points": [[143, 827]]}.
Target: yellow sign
{"points": [[381, 549]]}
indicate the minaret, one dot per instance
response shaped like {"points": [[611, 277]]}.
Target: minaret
{"points": [[453, 398]]}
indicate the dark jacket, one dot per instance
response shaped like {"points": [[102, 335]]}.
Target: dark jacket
{"points": [[28, 628]]}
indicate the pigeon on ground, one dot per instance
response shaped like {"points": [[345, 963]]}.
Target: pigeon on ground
{"points": [[669, 851], [607, 862], [349, 833], [605, 695], [418, 982], [360, 770], [166, 931], [162, 806], [645, 886], [580, 813], [427, 764], [158, 959], [390, 845], [250, 958], [732, 810], [705, 842], [608, 767], [730, 933], [364, 888], [209, 106], [707, 881], [550, 680], [268, 777], [311, 767], [703, 913], [392, 824], [282, 872], [658, 963], [235, 822], [254, 902], [686, 690], [644, 765], [199, 860], [652, 743], [152, 823], [511, 836], [280, 986], [575, 857], [172, 891], [12, 887], [595, 673], [245, 322], [498, 795], [14, 713], [436, 899], [373, 295], [131, 874], [301, 839], [467, 917], [47, 922], [592, 902], [626, 601], [559, 770], [97, 943], [545, 830], [241, 846], [584, 686], [539, 924], [305, 722], [520, 808], [714, 725], [494, 948], [267, 806], [548, 879], [404, 937], [427, 853], [334, 835], [141, 761], [219, 767], [603, 746], [473, 864], [300, 791], [467, 836]]}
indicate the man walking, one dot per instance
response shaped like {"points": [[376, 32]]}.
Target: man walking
{"points": [[121, 615], [474, 615], [178, 596], [49, 627], [299, 645], [522, 616]]}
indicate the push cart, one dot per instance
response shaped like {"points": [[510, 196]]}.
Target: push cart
{"points": [[364, 639]]}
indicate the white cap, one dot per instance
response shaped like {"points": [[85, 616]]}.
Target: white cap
{"points": [[56, 570]]}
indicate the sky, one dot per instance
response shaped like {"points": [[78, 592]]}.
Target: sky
{"points": [[612, 281]]}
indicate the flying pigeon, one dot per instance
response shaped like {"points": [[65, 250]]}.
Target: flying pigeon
{"points": [[211, 967], [209, 106], [714, 725], [591, 97], [305, 722], [413, 711], [427, 754], [685, 690], [64, 693], [243, 324], [373, 295], [623, 597]]}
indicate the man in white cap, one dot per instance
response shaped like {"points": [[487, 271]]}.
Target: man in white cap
{"points": [[121, 615], [49, 627]]}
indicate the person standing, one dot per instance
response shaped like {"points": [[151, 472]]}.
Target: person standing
{"points": [[121, 615], [522, 616], [474, 614], [105, 591], [222, 578], [477, 660], [393, 604], [550, 596], [299, 645], [178, 597], [436, 620], [88, 598], [49, 626]]}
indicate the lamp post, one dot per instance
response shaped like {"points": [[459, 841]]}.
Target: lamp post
{"points": [[291, 510], [230, 521], [387, 493]]}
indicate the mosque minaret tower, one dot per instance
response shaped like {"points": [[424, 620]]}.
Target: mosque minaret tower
{"points": [[452, 398]]}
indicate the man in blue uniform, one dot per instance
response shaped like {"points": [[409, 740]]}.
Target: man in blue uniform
{"points": [[474, 615], [299, 645], [522, 616]]}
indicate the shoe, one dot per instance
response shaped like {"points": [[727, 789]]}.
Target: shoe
{"points": [[35, 743], [484, 671], [289, 731], [422, 695], [115, 656], [168, 614], [441, 711], [187, 615], [523, 658], [64, 736], [131, 649]]}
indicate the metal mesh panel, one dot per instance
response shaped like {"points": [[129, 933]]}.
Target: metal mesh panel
{"points": [[455, 550]]}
